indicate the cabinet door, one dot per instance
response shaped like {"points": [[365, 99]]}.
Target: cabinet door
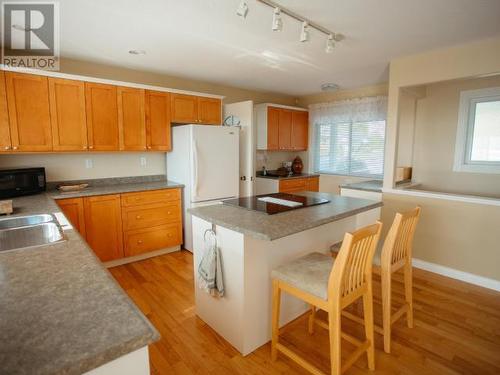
{"points": [[29, 114], [184, 109], [292, 185], [209, 111], [103, 225], [272, 128], [102, 117], [73, 210], [67, 114], [300, 130], [5, 144], [158, 127], [312, 184], [142, 241], [131, 119], [285, 129]]}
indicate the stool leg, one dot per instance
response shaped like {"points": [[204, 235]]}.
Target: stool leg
{"points": [[275, 319], [386, 309], [409, 293], [312, 318], [368, 314], [334, 332]]}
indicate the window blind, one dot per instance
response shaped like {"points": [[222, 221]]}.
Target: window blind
{"points": [[348, 143]]}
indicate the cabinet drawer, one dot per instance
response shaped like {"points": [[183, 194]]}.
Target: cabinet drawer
{"points": [[145, 240], [150, 197], [296, 184], [312, 184], [147, 216]]}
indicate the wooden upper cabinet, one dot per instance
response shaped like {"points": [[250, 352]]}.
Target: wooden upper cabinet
{"points": [[67, 114], [74, 212], [272, 128], [103, 226], [29, 113], [209, 111], [285, 129], [5, 144], [131, 118], [158, 127], [184, 108], [300, 130], [102, 117]]}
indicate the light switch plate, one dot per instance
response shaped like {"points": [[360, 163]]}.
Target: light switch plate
{"points": [[89, 163], [144, 161]]}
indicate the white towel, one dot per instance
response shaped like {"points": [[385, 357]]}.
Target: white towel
{"points": [[210, 269]]}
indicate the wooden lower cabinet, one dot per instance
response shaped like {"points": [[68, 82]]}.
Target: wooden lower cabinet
{"points": [[103, 226], [124, 225], [140, 241], [73, 210], [299, 184]]}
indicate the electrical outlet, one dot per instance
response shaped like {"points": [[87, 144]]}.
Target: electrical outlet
{"points": [[144, 161], [89, 163]]}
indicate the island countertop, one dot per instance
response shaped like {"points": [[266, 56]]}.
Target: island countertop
{"points": [[61, 311], [271, 227]]}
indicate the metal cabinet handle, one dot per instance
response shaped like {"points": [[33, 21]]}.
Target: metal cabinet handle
{"points": [[138, 217], [14, 148], [7, 148], [139, 242]]}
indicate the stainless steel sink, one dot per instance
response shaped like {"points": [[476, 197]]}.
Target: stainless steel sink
{"points": [[24, 221], [38, 234]]}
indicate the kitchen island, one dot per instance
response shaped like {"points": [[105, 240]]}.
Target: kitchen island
{"points": [[252, 244]]}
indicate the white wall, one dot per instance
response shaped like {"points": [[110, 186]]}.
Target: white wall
{"points": [[69, 166]]}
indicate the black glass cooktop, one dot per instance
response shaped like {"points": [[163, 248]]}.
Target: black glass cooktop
{"points": [[265, 203]]}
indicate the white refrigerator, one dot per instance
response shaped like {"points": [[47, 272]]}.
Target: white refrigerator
{"points": [[206, 160]]}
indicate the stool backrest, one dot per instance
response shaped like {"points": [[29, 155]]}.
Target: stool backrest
{"points": [[353, 267], [399, 241]]}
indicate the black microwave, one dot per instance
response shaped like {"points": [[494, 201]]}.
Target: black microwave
{"points": [[24, 181]]}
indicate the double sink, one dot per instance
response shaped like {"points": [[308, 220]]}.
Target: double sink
{"points": [[29, 231]]}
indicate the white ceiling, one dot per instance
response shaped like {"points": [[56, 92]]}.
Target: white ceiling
{"points": [[206, 40]]}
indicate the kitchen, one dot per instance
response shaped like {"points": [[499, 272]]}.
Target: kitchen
{"points": [[161, 216]]}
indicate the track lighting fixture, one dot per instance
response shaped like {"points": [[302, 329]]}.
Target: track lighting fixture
{"points": [[277, 21], [304, 32], [242, 10], [330, 44], [277, 25]]}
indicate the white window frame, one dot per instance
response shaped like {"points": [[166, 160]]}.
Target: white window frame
{"points": [[465, 131]]}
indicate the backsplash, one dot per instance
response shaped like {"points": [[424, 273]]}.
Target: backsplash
{"points": [[89, 165], [273, 159]]}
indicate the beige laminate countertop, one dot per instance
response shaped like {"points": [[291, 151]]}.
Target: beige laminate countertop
{"points": [[61, 311]]}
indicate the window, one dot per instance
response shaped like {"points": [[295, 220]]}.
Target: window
{"points": [[478, 134], [349, 137]]}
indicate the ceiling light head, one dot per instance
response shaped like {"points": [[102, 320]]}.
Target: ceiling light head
{"points": [[242, 10], [330, 44], [304, 32], [329, 87], [277, 21]]}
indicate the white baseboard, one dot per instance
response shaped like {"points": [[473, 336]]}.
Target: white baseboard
{"points": [[456, 274]]}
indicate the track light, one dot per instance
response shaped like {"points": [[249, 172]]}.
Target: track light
{"points": [[242, 10], [304, 33], [277, 21], [330, 44]]}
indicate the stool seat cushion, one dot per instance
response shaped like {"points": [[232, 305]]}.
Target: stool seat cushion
{"points": [[309, 273]]}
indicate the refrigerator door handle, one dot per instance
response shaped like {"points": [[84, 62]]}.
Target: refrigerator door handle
{"points": [[195, 155]]}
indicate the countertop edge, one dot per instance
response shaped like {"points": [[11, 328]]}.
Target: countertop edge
{"points": [[262, 236]]}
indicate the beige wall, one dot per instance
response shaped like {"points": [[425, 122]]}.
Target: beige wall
{"points": [[274, 159], [376, 90], [232, 94], [463, 236], [435, 134], [59, 167], [72, 166]]}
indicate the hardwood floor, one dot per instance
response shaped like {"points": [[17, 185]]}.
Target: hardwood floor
{"points": [[457, 328]]}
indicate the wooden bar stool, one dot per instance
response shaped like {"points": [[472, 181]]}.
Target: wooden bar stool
{"points": [[396, 255], [331, 286]]}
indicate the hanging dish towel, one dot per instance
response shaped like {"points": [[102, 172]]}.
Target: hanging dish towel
{"points": [[210, 268]]}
